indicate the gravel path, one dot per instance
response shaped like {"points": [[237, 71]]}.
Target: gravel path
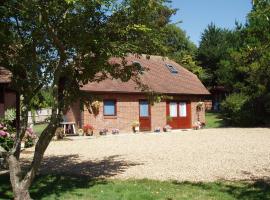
{"points": [[204, 155]]}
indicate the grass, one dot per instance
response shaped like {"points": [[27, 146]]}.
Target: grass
{"points": [[38, 128], [66, 187], [214, 120]]}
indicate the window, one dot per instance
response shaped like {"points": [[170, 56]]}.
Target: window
{"points": [[144, 108], [138, 65], [172, 69], [182, 109], [109, 108], [173, 109]]}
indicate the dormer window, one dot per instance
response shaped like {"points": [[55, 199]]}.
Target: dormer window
{"points": [[172, 69], [137, 64]]}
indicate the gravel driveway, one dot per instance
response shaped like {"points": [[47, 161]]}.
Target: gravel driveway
{"points": [[203, 155]]}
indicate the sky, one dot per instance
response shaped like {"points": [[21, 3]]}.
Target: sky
{"points": [[197, 14]]}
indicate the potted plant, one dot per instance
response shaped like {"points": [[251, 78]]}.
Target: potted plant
{"points": [[135, 126], [103, 131], [80, 132], [167, 128], [88, 130], [115, 131], [157, 130]]}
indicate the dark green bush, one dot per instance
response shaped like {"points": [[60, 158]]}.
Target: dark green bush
{"points": [[241, 110]]}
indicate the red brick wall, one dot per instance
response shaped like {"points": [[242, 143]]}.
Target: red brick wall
{"points": [[128, 111]]}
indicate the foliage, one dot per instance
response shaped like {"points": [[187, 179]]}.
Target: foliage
{"points": [[135, 123], [115, 131], [182, 50], [10, 115], [239, 60], [7, 133], [103, 131], [29, 138], [59, 133], [232, 108], [247, 69], [214, 46], [61, 45], [177, 43], [43, 99], [88, 129]]}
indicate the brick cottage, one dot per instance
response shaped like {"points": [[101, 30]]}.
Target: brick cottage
{"points": [[122, 102]]}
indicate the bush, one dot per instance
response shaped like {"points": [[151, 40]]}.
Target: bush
{"points": [[242, 110], [29, 138], [7, 135], [59, 133]]}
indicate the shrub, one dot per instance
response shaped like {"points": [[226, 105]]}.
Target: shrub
{"points": [[242, 110], [29, 138], [10, 115], [59, 133], [7, 134]]}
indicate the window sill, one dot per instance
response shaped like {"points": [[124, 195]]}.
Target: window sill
{"points": [[110, 117]]}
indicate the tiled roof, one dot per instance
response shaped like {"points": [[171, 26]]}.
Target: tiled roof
{"points": [[158, 78], [5, 75]]}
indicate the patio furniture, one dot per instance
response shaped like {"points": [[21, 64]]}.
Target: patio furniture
{"points": [[69, 128]]}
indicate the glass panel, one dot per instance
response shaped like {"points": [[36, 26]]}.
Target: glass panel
{"points": [[144, 109], [109, 107], [183, 109], [173, 109]]}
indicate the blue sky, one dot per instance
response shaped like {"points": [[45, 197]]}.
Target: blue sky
{"points": [[197, 14]]}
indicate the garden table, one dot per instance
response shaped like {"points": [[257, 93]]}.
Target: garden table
{"points": [[66, 125]]}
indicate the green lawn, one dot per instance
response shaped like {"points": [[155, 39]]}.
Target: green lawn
{"points": [[72, 187], [214, 120], [38, 128]]}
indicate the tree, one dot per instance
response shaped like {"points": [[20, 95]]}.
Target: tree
{"points": [[247, 67], [182, 50], [65, 44], [214, 46]]}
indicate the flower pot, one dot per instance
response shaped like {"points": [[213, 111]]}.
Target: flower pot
{"points": [[136, 129]]}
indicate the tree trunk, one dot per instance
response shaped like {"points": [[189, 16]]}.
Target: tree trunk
{"points": [[22, 194], [19, 186]]}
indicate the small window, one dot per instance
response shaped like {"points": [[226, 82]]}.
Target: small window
{"points": [[138, 65], [173, 109], [182, 109], [172, 69], [144, 109], [109, 108]]}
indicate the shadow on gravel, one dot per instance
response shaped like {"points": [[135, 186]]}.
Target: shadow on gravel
{"points": [[60, 174]]}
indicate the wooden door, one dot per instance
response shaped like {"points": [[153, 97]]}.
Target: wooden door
{"points": [[179, 114], [184, 114], [144, 115], [172, 114]]}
